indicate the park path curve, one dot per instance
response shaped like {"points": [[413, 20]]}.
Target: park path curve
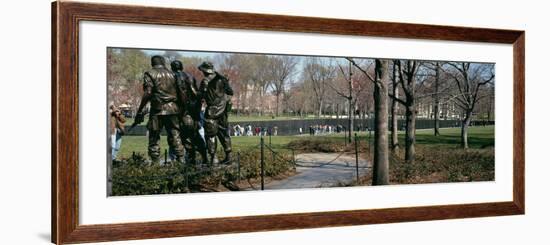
{"points": [[321, 170]]}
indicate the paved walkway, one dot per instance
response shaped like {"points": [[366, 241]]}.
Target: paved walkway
{"points": [[321, 170]]}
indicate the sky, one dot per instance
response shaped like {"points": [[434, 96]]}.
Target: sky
{"points": [[206, 55], [209, 55]]}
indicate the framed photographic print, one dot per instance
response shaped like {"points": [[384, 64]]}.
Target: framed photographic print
{"points": [[173, 122]]}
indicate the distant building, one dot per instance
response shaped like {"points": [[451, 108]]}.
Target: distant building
{"points": [[250, 101]]}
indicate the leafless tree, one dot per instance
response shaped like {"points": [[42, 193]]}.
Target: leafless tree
{"points": [[282, 68], [438, 88], [381, 81], [436, 96], [239, 70], [352, 89], [470, 79], [262, 77], [394, 108], [407, 71], [319, 73], [381, 152]]}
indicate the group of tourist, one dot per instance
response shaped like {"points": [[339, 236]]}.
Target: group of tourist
{"points": [[325, 129], [249, 130]]}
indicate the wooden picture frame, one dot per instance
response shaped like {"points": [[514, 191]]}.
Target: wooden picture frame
{"points": [[65, 120]]}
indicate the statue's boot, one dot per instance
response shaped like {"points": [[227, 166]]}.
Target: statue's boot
{"points": [[204, 158], [214, 160], [191, 157], [227, 160]]}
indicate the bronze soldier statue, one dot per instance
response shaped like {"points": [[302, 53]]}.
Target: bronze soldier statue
{"points": [[190, 105], [161, 91], [217, 93]]}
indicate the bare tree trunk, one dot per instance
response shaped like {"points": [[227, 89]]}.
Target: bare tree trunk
{"points": [[367, 109], [395, 126], [464, 129], [261, 109], [350, 120], [351, 104], [239, 106], [381, 151], [320, 112], [436, 118], [394, 110], [436, 100], [246, 101], [410, 136], [277, 106]]}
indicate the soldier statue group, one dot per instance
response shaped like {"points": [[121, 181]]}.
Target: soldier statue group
{"points": [[175, 105]]}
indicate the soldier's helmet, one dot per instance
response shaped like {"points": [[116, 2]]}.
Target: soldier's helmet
{"points": [[176, 65], [206, 67], [157, 60]]}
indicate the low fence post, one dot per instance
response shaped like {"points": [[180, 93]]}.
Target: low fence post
{"points": [[165, 156], [262, 162], [356, 158]]}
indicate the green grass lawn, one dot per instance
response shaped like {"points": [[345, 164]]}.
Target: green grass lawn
{"points": [[479, 137], [138, 144]]}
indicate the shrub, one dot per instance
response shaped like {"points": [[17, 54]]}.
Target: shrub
{"points": [[134, 176], [436, 164]]}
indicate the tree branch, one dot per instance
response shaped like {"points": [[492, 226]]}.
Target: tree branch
{"points": [[397, 99], [338, 92], [361, 69]]}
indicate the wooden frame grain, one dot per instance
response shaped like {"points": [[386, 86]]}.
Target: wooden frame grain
{"points": [[65, 136]]}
